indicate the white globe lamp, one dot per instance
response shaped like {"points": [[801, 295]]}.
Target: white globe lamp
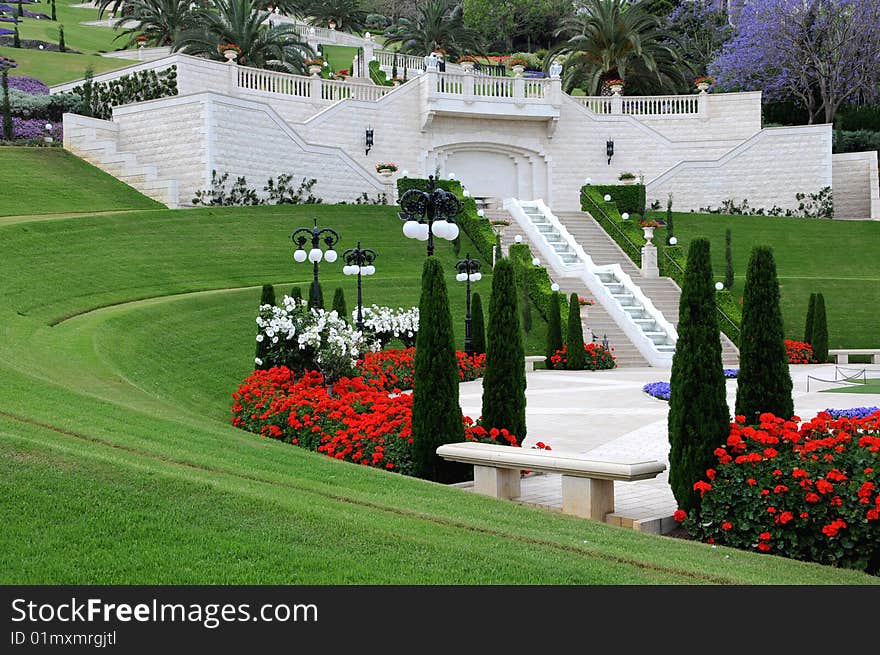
{"points": [[331, 256], [368, 270], [411, 229], [719, 286], [315, 255], [536, 261], [461, 277], [439, 228], [422, 234], [607, 198], [625, 216], [518, 238], [476, 277], [672, 241], [452, 232], [554, 287], [481, 213], [299, 256]]}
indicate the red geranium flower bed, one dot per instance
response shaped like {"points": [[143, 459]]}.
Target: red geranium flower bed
{"points": [[807, 491], [598, 357], [395, 369], [799, 352]]}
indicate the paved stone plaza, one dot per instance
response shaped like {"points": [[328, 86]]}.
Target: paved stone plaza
{"points": [[605, 415]]}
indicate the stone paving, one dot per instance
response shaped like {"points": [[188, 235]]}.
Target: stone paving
{"points": [[605, 415]]}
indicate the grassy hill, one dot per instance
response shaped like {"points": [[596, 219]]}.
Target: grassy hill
{"points": [[836, 258], [123, 336], [50, 180]]}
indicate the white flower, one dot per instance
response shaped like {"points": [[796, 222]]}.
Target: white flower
{"points": [[259, 338], [258, 361]]}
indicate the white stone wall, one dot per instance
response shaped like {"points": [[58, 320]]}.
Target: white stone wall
{"points": [[856, 187]]}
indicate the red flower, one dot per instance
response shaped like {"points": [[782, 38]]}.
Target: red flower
{"points": [[785, 517], [763, 546], [679, 515], [752, 482], [824, 487], [702, 487], [764, 536], [780, 489], [710, 473], [727, 525], [833, 528], [812, 498]]}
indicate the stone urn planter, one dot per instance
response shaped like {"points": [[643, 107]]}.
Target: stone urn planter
{"points": [[518, 70], [649, 233], [385, 172], [315, 69], [629, 180], [616, 89], [702, 87], [231, 56], [467, 66]]}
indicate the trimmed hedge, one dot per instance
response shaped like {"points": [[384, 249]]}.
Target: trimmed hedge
{"points": [[478, 229], [671, 260], [629, 198], [378, 76], [124, 90], [536, 279], [854, 141]]}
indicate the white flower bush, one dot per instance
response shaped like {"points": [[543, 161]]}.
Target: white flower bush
{"points": [[385, 324], [304, 339]]}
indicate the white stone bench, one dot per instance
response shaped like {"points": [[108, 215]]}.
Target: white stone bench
{"points": [[531, 360], [587, 485], [842, 354]]}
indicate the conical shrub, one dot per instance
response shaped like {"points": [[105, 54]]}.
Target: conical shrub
{"points": [[339, 304], [820, 331], [436, 413], [554, 328], [504, 382], [764, 381], [699, 419], [576, 356], [808, 324], [478, 325]]}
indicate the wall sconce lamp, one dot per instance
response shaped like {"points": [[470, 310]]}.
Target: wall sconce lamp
{"points": [[609, 150], [368, 139]]}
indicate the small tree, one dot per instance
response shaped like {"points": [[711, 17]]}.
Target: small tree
{"points": [[504, 382], [436, 414], [7, 109], [576, 356], [296, 293], [728, 261], [61, 46], [698, 418], [478, 326], [261, 358], [339, 303], [808, 324], [820, 331], [16, 39], [85, 107], [669, 224], [764, 381], [554, 328]]}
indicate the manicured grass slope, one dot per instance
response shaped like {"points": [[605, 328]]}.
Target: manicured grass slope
{"points": [[59, 67], [119, 466], [50, 180], [836, 258]]}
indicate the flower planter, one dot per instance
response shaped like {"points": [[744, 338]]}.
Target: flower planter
{"points": [[616, 89], [231, 56], [385, 172], [649, 233], [314, 70], [631, 180], [467, 66], [702, 87], [518, 70]]}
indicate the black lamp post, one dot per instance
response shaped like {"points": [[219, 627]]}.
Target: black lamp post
{"points": [[359, 261], [468, 271], [303, 235], [429, 213]]}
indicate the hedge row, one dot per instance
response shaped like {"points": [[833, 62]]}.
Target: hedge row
{"points": [[629, 198], [537, 281], [855, 141], [101, 97], [478, 229], [672, 260]]}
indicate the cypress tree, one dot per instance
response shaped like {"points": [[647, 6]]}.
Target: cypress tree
{"points": [[669, 225], [728, 261], [339, 304], [808, 325], [20, 12], [54, 16], [820, 331], [16, 39], [7, 109], [554, 328], [576, 356], [764, 381], [267, 297], [698, 420], [504, 382], [478, 326], [296, 293], [436, 413], [61, 46]]}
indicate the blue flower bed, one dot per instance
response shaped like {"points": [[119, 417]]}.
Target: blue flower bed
{"points": [[657, 390], [853, 412], [5, 32], [731, 373]]}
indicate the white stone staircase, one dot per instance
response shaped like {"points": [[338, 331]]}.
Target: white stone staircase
{"points": [[96, 141]]}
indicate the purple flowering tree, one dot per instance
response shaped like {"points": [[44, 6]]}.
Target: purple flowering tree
{"points": [[821, 53], [702, 28]]}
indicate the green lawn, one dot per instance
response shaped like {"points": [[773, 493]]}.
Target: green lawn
{"points": [[836, 258], [871, 385], [339, 56], [50, 180], [58, 67], [119, 465]]}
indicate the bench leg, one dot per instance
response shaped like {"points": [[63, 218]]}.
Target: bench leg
{"points": [[496, 482], [875, 358], [843, 358], [587, 497], [530, 366]]}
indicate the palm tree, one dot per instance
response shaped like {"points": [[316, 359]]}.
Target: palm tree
{"points": [[240, 23], [347, 14], [160, 21], [616, 39], [438, 25]]}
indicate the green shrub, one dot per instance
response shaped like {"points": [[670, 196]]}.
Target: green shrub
{"points": [[808, 323], [855, 141], [7, 111], [629, 198], [436, 413], [504, 382], [819, 336], [478, 229], [554, 328], [339, 304], [764, 381], [296, 293], [478, 325], [698, 420], [577, 358], [858, 118], [378, 76], [124, 90], [536, 280], [627, 234]]}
